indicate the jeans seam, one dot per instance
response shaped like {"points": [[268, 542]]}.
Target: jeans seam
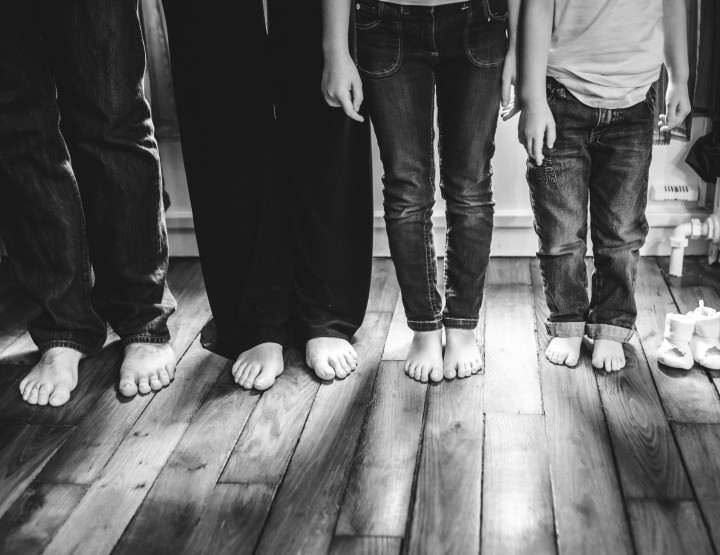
{"points": [[146, 338], [428, 238], [47, 345]]}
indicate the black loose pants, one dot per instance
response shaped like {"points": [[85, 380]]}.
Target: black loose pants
{"points": [[280, 183]]}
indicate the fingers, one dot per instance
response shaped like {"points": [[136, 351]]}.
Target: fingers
{"points": [[550, 135], [536, 147], [357, 96], [506, 91], [347, 106], [509, 111]]}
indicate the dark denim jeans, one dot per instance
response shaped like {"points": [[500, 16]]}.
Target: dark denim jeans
{"points": [[80, 190], [603, 156], [406, 55]]}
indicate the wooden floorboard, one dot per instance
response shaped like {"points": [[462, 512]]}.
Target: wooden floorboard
{"points": [[517, 493], [687, 396], [377, 500], [589, 511], [305, 510], [527, 457], [110, 503]]}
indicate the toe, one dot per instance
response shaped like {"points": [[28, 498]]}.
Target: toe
{"points": [[436, 374], [351, 362], [164, 377], [424, 373], [477, 366], [571, 360], [242, 374], [33, 396], [265, 380], [252, 375], [155, 383], [44, 392], [450, 373], [60, 395], [338, 367], [324, 371], [28, 387], [128, 387], [144, 385], [23, 383]]}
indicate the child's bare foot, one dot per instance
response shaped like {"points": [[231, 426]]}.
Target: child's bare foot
{"points": [[564, 350], [462, 354], [146, 367], [258, 367], [330, 357], [425, 357], [53, 378], [608, 354]]}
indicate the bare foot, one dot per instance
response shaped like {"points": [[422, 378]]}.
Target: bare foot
{"points": [[146, 367], [462, 354], [258, 367], [53, 378], [564, 350], [608, 354], [330, 357], [425, 357]]}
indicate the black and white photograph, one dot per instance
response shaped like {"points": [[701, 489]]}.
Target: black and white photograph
{"points": [[360, 277]]}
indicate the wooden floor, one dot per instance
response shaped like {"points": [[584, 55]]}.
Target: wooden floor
{"points": [[526, 458]]}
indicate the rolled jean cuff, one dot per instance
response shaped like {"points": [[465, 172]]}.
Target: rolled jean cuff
{"points": [[429, 325], [68, 344], [147, 338], [607, 331], [460, 323], [565, 329]]}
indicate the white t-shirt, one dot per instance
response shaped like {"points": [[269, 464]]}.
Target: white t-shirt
{"points": [[607, 52]]}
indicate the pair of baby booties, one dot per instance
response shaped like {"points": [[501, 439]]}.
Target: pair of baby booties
{"points": [[694, 336]]}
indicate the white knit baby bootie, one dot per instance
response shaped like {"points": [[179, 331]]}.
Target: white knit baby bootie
{"points": [[675, 349], [705, 343]]}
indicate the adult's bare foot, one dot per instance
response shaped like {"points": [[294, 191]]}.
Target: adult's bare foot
{"points": [[425, 359], [258, 367], [146, 367], [462, 354], [330, 357], [53, 378]]}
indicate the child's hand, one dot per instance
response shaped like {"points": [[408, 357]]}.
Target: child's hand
{"points": [[342, 87], [508, 106], [537, 126], [677, 106]]}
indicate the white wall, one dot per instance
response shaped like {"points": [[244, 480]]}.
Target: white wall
{"points": [[513, 234]]}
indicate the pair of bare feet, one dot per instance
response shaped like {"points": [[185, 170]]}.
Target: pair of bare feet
{"points": [[146, 367], [329, 357], [607, 355], [425, 359]]}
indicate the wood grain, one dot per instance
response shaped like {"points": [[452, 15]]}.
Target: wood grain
{"points": [[512, 381], [687, 396], [29, 525], [229, 524], [668, 528], [649, 463], [111, 415], [589, 512], [173, 506], [509, 271], [700, 446], [399, 335], [110, 503], [306, 507], [263, 451], [377, 500], [347, 545], [384, 288], [24, 450], [446, 512], [517, 494]]}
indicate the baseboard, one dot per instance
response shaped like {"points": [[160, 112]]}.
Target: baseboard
{"points": [[513, 233]]}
